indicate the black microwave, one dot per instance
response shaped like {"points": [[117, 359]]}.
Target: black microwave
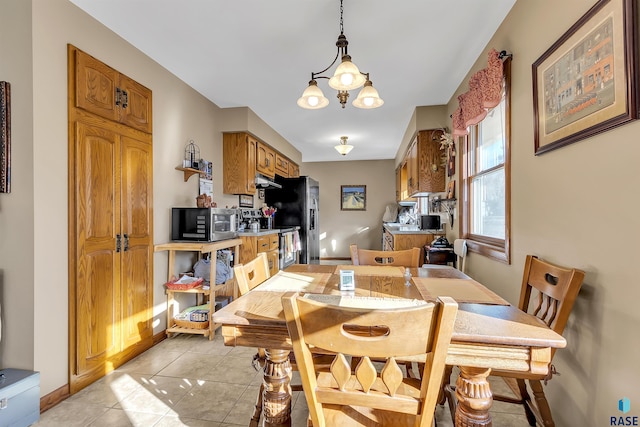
{"points": [[203, 224]]}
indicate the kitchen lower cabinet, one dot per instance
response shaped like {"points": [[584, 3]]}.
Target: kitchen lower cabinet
{"points": [[401, 241], [253, 245]]}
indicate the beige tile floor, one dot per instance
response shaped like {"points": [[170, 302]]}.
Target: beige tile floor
{"points": [[187, 380]]}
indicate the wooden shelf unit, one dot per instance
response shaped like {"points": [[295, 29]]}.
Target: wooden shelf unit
{"points": [[200, 293]]}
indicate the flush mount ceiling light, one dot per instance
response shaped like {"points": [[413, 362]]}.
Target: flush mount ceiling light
{"points": [[343, 148], [346, 77]]}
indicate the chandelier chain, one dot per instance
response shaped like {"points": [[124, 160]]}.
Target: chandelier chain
{"points": [[341, 21]]}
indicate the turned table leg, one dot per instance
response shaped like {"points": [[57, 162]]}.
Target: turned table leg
{"points": [[474, 398], [276, 398]]}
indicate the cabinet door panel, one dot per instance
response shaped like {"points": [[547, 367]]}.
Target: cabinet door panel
{"points": [[97, 264], [294, 170], [431, 171], [266, 160], [137, 220], [272, 259], [137, 111], [95, 86], [137, 297], [238, 164], [96, 312], [282, 166]]}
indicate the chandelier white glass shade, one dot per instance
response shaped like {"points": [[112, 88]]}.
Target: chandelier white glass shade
{"points": [[312, 98], [343, 148], [346, 77], [368, 97]]}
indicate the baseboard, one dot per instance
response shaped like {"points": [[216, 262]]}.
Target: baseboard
{"points": [[335, 259], [159, 337], [50, 400]]}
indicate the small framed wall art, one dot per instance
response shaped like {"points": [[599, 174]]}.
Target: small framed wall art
{"points": [[245, 200], [353, 197]]}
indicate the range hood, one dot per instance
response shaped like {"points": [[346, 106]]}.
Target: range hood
{"points": [[264, 182]]}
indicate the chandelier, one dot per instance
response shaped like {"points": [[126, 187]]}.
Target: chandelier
{"points": [[346, 77], [343, 148]]}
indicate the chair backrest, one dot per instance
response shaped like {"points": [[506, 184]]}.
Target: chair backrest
{"points": [[557, 288], [403, 258], [423, 330], [460, 249], [251, 274]]}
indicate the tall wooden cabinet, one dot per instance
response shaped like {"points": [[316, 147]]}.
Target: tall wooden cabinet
{"points": [[110, 222]]}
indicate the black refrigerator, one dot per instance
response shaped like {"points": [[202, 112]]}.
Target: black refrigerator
{"points": [[298, 205]]}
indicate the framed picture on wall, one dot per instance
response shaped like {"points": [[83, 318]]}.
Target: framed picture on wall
{"points": [[245, 200], [585, 83], [451, 190], [5, 137], [353, 197]]}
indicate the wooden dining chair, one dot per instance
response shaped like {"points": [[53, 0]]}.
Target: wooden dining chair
{"points": [[548, 292], [248, 276], [251, 274], [403, 258], [365, 396]]}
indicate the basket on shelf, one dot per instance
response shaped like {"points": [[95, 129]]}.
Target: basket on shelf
{"points": [[184, 283], [191, 325], [196, 317]]}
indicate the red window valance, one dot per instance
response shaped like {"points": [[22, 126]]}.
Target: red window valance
{"points": [[485, 92]]}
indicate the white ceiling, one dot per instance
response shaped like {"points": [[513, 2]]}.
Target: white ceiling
{"points": [[260, 54]]}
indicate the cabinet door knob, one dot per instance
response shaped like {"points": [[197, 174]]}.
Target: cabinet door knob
{"points": [[118, 243]]}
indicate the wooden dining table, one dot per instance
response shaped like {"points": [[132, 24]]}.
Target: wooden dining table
{"points": [[489, 333]]}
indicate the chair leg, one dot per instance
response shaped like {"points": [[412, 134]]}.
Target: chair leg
{"points": [[255, 418], [541, 403], [446, 380], [450, 395]]}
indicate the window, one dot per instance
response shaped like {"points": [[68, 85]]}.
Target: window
{"points": [[485, 186]]}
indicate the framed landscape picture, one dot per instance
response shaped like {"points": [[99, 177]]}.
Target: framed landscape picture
{"points": [[586, 82], [353, 197]]}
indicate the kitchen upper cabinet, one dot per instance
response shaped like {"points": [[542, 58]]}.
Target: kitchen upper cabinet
{"points": [[399, 184], [425, 172], [294, 170], [282, 166], [243, 155], [239, 163], [107, 93], [266, 160]]}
